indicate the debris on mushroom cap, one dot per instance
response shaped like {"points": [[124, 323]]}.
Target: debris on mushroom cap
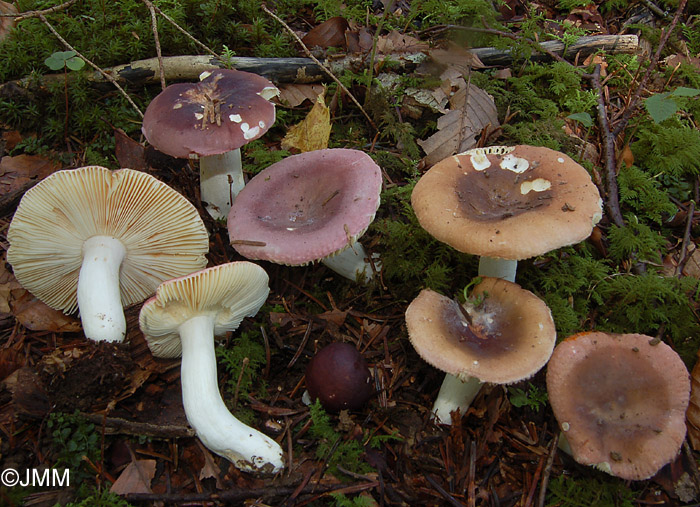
{"points": [[510, 338], [161, 231], [230, 291], [338, 376], [306, 207], [507, 202], [620, 401], [224, 111]]}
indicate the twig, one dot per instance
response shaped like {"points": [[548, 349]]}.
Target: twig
{"points": [[548, 470], [612, 200], [634, 103], [106, 76], [452, 500], [185, 32], [159, 52], [35, 14], [244, 363], [318, 62], [686, 236]]}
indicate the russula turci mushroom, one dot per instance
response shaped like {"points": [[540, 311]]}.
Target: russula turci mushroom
{"points": [[506, 204], [211, 120], [338, 376], [99, 240], [309, 207], [505, 337], [620, 400], [182, 319]]}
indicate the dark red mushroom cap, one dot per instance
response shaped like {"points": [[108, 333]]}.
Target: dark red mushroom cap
{"points": [[339, 378], [306, 207], [222, 112]]}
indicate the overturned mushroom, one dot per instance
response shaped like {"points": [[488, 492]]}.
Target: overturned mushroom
{"points": [[99, 240], [507, 335], [211, 120], [506, 204], [620, 400], [182, 319], [309, 207]]}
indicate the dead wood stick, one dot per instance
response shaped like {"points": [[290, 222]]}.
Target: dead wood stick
{"points": [[117, 425], [304, 70]]}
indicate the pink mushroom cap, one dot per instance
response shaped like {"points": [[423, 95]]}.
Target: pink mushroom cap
{"points": [[222, 112], [306, 207]]}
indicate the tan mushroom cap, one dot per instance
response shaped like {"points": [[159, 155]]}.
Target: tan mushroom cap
{"points": [[162, 232], [620, 401], [230, 292], [518, 326], [507, 202]]}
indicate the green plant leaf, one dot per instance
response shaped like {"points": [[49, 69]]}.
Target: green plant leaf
{"points": [[683, 91], [660, 106], [62, 59], [583, 118]]}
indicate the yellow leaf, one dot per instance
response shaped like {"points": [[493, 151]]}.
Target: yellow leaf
{"points": [[313, 132]]}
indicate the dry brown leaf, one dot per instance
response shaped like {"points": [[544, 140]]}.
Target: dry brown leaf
{"points": [[458, 129], [293, 95], [330, 33], [456, 56], [136, 478], [395, 42], [313, 132], [16, 172], [6, 23], [35, 315], [693, 413], [692, 265], [210, 468], [129, 153]]}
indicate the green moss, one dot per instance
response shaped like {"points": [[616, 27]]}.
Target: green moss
{"points": [[566, 491]]}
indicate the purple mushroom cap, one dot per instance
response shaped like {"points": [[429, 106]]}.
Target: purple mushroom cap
{"points": [[222, 112], [306, 207]]}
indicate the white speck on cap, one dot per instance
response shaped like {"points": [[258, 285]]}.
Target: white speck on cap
{"points": [[204, 75], [538, 185], [515, 164], [480, 161], [236, 118]]}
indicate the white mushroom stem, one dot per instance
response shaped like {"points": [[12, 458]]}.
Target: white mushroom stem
{"points": [[353, 262], [498, 268], [220, 181], [99, 298], [454, 395], [221, 432]]}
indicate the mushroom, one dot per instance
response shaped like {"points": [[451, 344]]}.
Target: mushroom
{"points": [[99, 240], [339, 378], [503, 334], [506, 204], [620, 400], [182, 319], [309, 207], [211, 120]]}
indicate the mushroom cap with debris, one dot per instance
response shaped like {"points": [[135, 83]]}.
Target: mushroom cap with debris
{"points": [[306, 207], [514, 335], [507, 202], [620, 400], [222, 112], [161, 231]]}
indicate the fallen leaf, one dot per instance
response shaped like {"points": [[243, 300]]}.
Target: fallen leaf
{"points": [[459, 128], [456, 56], [313, 132], [210, 469], [136, 478], [6, 23], [129, 153], [330, 33], [396, 42], [692, 265], [37, 316], [17, 173], [293, 95]]}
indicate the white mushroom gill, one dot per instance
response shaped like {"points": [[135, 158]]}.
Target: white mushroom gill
{"points": [[249, 449], [99, 297]]}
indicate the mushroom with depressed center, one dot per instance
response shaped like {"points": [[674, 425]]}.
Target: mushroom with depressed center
{"points": [[505, 337], [620, 400], [182, 319], [506, 204], [99, 240], [211, 120], [309, 207]]}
